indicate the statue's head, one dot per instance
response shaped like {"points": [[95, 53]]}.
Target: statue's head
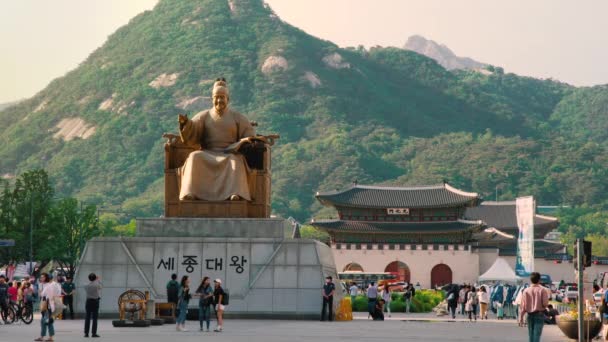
{"points": [[221, 96]]}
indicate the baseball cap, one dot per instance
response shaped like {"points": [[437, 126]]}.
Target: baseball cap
{"points": [[218, 280]]}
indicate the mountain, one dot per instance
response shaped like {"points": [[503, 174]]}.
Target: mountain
{"points": [[441, 53], [378, 116], [8, 104]]}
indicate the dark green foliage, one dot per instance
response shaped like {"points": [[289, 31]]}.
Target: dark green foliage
{"points": [[392, 116]]}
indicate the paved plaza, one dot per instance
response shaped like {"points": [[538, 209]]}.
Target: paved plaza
{"points": [[414, 327]]}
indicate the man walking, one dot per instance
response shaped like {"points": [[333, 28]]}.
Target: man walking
{"points": [[328, 298], [372, 296], [534, 302], [93, 292], [67, 289]]}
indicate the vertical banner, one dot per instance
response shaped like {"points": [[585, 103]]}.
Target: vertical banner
{"points": [[524, 208]]}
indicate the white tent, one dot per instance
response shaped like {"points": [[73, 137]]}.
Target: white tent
{"points": [[500, 271]]}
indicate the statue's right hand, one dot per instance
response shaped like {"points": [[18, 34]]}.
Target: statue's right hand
{"points": [[182, 119]]}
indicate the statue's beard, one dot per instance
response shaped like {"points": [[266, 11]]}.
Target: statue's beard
{"points": [[221, 110]]}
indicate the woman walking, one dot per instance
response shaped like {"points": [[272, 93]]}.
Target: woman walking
{"points": [[386, 296], [183, 300], [51, 291], [484, 299], [205, 292], [471, 304]]}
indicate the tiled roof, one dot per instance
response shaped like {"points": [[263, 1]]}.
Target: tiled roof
{"points": [[435, 196], [502, 215], [399, 227]]}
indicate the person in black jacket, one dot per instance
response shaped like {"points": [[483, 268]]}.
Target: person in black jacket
{"points": [[452, 298]]}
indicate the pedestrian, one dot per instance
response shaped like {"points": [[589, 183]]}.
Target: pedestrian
{"points": [[471, 304], [484, 299], [42, 283], [28, 295], [462, 298], [3, 295], [67, 289], [219, 297], [93, 293], [354, 290], [182, 304], [534, 302], [407, 297], [372, 296], [328, 299], [386, 297], [205, 293], [13, 291], [452, 300], [173, 290], [51, 291]]}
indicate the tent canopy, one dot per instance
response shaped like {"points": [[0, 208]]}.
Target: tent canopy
{"points": [[500, 271]]}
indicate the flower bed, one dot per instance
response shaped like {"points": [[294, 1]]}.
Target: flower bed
{"points": [[424, 301]]}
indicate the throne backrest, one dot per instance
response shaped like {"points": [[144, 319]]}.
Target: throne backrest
{"points": [[176, 153]]}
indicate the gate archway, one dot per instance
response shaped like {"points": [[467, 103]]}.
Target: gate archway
{"points": [[400, 269], [353, 267], [441, 275]]}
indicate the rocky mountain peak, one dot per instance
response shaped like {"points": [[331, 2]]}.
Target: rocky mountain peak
{"points": [[441, 53]]}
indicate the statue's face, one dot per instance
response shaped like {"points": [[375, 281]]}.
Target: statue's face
{"points": [[220, 102]]}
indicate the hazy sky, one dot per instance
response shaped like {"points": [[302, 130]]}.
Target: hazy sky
{"points": [[566, 40]]}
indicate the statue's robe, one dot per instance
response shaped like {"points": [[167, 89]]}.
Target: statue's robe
{"points": [[211, 174]]}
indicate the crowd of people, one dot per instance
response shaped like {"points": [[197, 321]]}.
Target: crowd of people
{"points": [[54, 298]]}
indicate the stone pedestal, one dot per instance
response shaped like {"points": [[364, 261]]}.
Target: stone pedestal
{"points": [[266, 274]]}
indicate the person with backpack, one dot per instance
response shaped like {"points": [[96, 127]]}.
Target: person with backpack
{"points": [[471, 304], [205, 293], [452, 299], [221, 300], [183, 301], [173, 291]]}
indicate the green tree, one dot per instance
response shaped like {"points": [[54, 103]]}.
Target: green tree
{"points": [[69, 227], [31, 200]]}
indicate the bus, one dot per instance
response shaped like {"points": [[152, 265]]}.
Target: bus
{"points": [[363, 279]]}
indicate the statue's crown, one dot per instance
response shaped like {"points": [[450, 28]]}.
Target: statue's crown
{"points": [[220, 85]]}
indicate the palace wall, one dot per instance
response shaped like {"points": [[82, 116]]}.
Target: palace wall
{"points": [[463, 263]]}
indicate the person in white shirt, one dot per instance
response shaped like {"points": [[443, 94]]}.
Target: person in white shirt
{"points": [[354, 290], [386, 295], [50, 290], [484, 299]]}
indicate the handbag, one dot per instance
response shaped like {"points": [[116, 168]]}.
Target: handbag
{"points": [[58, 301], [44, 305]]}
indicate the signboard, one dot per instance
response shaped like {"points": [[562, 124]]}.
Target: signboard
{"points": [[524, 208], [7, 243], [398, 211]]}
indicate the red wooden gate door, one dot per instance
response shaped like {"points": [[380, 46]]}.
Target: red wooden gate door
{"points": [[400, 269], [441, 274]]}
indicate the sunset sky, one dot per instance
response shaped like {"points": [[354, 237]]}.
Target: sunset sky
{"points": [[566, 40]]}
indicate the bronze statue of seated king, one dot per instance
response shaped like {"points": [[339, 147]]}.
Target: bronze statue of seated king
{"points": [[217, 166]]}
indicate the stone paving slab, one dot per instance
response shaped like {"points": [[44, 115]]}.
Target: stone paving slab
{"points": [[295, 331]]}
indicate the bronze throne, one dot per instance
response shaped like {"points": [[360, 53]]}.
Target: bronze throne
{"points": [[257, 155]]}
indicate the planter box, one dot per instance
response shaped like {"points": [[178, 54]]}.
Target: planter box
{"points": [[570, 328]]}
